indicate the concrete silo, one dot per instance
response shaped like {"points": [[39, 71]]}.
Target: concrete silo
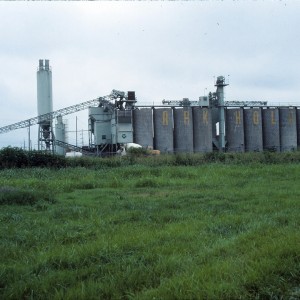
{"points": [[183, 130], [143, 127], [271, 133], [163, 130], [235, 130], [202, 123], [298, 127], [253, 129], [288, 129], [44, 105]]}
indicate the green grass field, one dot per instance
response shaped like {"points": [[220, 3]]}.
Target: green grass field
{"points": [[212, 231]]}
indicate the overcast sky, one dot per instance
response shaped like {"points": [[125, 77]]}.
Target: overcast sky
{"points": [[161, 50]]}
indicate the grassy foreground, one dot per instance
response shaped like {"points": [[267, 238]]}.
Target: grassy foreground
{"points": [[214, 231]]}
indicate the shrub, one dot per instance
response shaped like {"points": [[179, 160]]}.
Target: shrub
{"points": [[13, 157], [45, 159], [18, 158]]}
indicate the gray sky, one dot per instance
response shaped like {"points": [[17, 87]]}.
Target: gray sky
{"points": [[162, 50]]}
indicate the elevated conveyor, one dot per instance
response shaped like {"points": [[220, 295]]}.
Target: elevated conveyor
{"points": [[74, 148], [54, 114]]}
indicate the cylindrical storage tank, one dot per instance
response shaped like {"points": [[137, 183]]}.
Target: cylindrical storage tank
{"points": [[183, 130], [271, 134], [202, 124], [163, 130], [60, 135], [44, 89], [298, 126], [234, 124], [253, 129], [288, 129], [143, 127]]}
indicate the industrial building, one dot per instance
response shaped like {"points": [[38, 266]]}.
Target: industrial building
{"points": [[204, 125]]}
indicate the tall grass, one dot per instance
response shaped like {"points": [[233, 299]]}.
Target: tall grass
{"points": [[219, 230]]}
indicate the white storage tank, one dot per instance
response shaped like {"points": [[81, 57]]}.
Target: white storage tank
{"points": [[44, 88], [60, 135]]}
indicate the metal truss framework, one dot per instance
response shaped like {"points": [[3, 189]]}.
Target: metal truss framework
{"points": [[73, 148], [52, 115]]}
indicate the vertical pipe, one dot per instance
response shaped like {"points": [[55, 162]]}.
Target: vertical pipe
{"points": [[222, 127], [29, 137], [76, 131], [220, 84]]}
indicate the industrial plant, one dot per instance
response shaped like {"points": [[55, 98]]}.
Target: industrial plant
{"points": [[190, 126]]}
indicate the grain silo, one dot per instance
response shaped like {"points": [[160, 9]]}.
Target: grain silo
{"points": [[235, 130], [183, 130], [253, 129], [271, 134], [288, 129], [298, 127], [163, 130], [143, 127], [202, 124]]}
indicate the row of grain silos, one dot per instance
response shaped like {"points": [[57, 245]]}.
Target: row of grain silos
{"points": [[190, 129], [174, 129], [258, 129]]}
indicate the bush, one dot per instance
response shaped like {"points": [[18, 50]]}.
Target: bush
{"points": [[13, 157], [18, 158], [45, 159]]}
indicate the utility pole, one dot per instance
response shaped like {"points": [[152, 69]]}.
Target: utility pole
{"points": [[76, 131]]}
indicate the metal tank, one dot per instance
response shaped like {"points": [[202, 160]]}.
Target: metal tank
{"points": [[163, 130], [288, 129], [253, 129], [271, 134], [60, 135], [44, 88], [44, 104], [143, 127], [298, 127], [235, 130], [121, 126], [100, 125], [202, 125], [183, 130]]}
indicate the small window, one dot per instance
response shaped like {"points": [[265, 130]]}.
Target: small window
{"points": [[104, 137]]}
